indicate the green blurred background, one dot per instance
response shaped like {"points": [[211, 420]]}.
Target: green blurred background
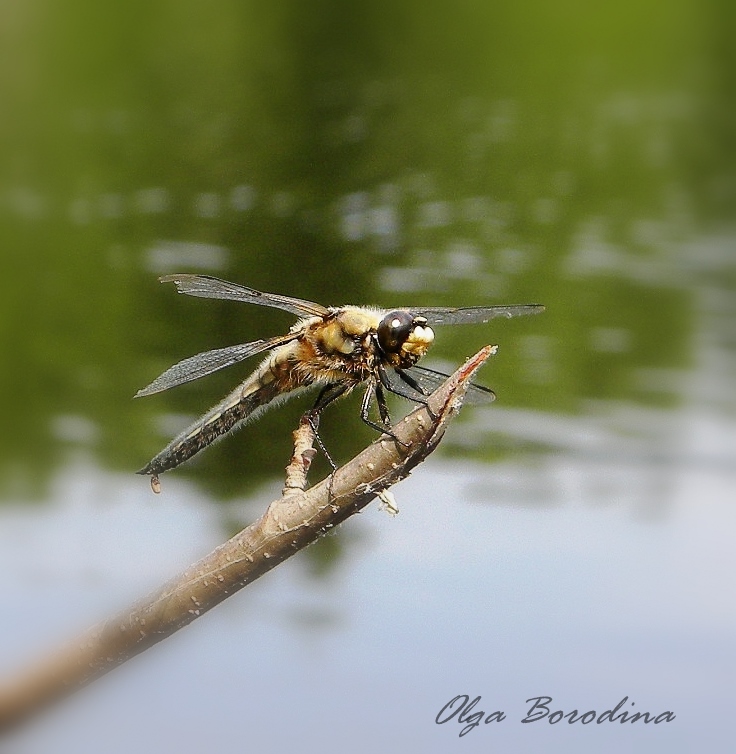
{"points": [[581, 155], [362, 153]]}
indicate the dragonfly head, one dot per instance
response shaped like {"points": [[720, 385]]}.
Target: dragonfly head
{"points": [[404, 338]]}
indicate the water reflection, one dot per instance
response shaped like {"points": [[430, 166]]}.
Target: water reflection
{"points": [[620, 312]]}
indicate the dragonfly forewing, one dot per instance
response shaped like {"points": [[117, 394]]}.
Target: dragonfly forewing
{"points": [[474, 314], [206, 286]]}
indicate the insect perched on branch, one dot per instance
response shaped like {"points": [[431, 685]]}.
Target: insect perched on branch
{"points": [[332, 348]]}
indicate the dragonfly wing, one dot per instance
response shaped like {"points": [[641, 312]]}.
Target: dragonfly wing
{"points": [[210, 361], [437, 315], [429, 381], [206, 286]]}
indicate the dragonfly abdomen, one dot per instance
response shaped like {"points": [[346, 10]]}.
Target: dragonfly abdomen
{"points": [[235, 408]]}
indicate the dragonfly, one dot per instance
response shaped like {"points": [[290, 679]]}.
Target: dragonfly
{"points": [[335, 349]]}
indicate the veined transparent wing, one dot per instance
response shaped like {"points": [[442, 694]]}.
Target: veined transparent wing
{"points": [[206, 286], [438, 315], [429, 381], [208, 362]]}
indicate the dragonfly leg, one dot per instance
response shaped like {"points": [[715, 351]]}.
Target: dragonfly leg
{"points": [[412, 383], [375, 390], [415, 394], [381, 403], [313, 420], [327, 395]]}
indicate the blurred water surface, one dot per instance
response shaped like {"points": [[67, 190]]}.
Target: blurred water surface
{"points": [[573, 539]]}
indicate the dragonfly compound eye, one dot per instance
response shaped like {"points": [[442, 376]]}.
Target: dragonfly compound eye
{"points": [[394, 329]]}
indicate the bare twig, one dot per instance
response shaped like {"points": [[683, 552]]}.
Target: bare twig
{"points": [[301, 459], [290, 523]]}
